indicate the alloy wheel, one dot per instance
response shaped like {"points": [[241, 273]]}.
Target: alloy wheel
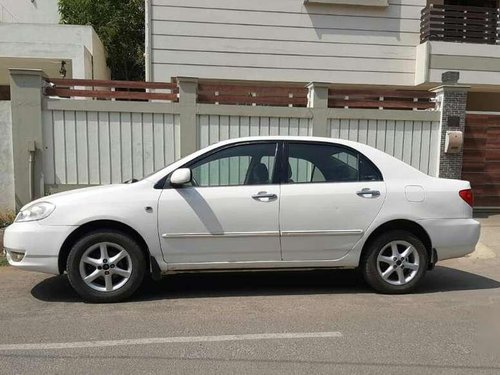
{"points": [[105, 267], [398, 262]]}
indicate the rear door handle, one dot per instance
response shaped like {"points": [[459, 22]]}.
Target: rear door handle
{"points": [[264, 195], [368, 193]]}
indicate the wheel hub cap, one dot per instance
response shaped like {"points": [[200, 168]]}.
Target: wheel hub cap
{"points": [[398, 262], [105, 267]]}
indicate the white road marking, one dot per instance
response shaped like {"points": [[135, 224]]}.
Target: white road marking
{"points": [[169, 340]]}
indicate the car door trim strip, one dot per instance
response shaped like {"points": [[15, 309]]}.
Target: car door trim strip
{"points": [[291, 233], [347, 232], [222, 235]]}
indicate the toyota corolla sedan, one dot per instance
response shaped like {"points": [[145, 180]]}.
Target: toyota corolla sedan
{"points": [[251, 204]]}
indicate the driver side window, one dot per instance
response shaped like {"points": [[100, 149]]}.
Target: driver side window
{"points": [[249, 164]]}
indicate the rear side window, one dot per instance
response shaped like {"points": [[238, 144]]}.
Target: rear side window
{"points": [[316, 163]]}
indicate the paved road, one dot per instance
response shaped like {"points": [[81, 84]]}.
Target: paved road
{"points": [[287, 322]]}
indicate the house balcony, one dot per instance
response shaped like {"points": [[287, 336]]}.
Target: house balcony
{"points": [[463, 24], [459, 38]]}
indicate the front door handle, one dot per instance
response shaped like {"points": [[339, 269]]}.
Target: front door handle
{"points": [[264, 195], [368, 193]]}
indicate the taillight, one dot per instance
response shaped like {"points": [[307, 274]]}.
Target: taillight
{"points": [[467, 196]]}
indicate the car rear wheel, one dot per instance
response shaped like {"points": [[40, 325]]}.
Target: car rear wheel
{"points": [[106, 266], [395, 262]]}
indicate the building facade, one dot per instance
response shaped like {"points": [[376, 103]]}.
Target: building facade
{"points": [[32, 38], [343, 42], [29, 11]]}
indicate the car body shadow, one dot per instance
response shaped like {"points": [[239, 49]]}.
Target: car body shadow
{"points": [[260, 283]]}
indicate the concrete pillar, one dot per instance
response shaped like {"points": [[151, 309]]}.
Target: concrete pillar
{"points": [[7, 200], [317, 100], [188, 94], [452, 102], [27, 141]]}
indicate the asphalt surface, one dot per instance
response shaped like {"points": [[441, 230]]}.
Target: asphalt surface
{"points": [[262, 322]]}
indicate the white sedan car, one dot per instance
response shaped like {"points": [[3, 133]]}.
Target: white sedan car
{"points": [[249, 204]]}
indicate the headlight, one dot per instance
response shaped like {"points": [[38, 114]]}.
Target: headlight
{"points": [[37, 211]]}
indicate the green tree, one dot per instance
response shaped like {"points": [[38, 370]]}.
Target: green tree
{"points": [[120, 25]]}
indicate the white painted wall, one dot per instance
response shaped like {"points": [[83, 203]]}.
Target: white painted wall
{"points": [[215, 128], [28, 11], [101, 142], [78, 44], [285, 40], [478, 64], [96, 147], [413, 141]]}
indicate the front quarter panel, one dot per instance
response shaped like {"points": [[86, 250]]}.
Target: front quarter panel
{"points": [[131, 204]]}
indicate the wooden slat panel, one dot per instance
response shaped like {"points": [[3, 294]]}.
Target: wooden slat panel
{"points": [[334, 93], [4, 92], [388, 104], [101, 94], [473, 24], [125, 90], [481, 159], [384, 99], [275, 101], [258, 90], [113, 84], [252, 95]]}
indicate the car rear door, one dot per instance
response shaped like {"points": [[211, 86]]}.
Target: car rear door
{"points": [[230, 211], [329, 199]]}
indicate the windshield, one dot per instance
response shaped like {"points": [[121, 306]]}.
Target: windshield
{"points": [[134, 180]]}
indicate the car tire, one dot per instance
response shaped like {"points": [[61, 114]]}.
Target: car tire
{"points": [[395, 262], [106, 266]]}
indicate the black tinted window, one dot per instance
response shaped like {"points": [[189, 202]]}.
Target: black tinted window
{"points": [[314, 163]]}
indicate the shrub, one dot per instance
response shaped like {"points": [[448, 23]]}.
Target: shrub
{"points": [[6, 218]]}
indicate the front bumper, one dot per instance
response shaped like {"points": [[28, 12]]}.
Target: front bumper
{"points": [[39, 243], [452, 238]]}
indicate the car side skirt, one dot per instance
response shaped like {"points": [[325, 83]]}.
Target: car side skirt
{"points": [[253, 266]]}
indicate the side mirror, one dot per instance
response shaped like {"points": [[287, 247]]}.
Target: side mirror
{"points": [[181, 176]]}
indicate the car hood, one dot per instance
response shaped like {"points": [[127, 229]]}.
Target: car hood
{"points": [[87, 194]]}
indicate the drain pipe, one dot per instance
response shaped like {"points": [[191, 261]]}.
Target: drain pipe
{"points": [[31, 170], [147, 42]]}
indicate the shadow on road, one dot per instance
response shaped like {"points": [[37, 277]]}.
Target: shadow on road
{"points": [[442, 279]]}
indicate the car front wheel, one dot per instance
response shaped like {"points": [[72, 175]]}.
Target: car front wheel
{"points": [[106, 266], [394, 262]]}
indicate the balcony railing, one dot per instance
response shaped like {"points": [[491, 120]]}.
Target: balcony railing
{"points": [[464, 24]]}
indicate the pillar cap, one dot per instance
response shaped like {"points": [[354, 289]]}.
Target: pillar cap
{"points": [[450, 87], [27, 72], [310, 85], [187, 79]]}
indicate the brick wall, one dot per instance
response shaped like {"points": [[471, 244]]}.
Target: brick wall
{"points": [[453, 106]]}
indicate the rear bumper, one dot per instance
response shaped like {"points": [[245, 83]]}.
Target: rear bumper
{"points": [[40, 245], [452, 238]]}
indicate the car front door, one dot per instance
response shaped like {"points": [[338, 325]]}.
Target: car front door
{"points": [[229, 211], [331, 196]]}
